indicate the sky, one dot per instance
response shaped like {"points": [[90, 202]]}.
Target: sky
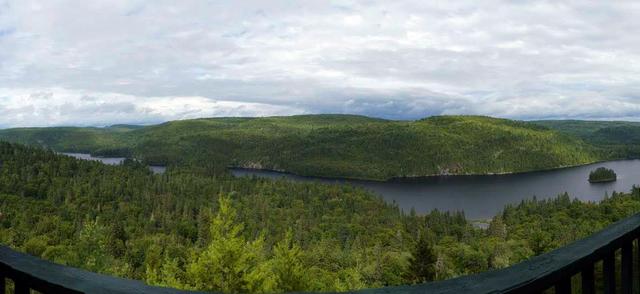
{"points": [[137, 61]]}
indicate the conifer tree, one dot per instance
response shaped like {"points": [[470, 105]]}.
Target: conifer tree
{"points": [[230, 263], [422, 262], [288, 266]]}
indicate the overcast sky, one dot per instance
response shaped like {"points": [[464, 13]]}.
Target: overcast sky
{"points": [[104, 62]]}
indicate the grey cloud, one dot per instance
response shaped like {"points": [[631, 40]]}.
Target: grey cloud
{"points": [[100, 108], [403, 59]]}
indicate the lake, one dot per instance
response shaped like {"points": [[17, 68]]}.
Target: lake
{"points": [[481, 197], [156, 169]]}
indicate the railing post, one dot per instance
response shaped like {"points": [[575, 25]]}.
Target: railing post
{"points": [[588, 283], [21, 287], [609, 272], [637, 255], [627, 267], [564, 286]]}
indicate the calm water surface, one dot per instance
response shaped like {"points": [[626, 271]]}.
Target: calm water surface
{"points": [[479, 197], [482, 197], [156, 169]]}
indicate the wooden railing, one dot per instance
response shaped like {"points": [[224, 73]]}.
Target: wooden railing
{"points": [[555, 270], [28, 272]]}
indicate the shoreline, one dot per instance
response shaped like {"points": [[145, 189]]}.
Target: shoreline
{"points": [[421, 177], [602, 181]]}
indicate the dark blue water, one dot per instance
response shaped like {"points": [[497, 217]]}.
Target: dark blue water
{"points": [[479, 197], [483, 196]]}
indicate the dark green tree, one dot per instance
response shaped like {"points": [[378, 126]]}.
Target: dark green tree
{"points": [[422, 262]]}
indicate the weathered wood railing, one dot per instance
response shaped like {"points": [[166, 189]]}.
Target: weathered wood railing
{"points": [[553, 270], [28, 272]]}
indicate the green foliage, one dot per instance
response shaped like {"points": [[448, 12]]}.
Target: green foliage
{"points": [[330, 145], [288, 266], [187, 230], [229, 264], [602, 174], [174, 230], [422, 265], [612, 139]]}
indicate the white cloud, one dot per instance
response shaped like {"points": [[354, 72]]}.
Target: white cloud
{"points": [[405, 59], [57, 106]]}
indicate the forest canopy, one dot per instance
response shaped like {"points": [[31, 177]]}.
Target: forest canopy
{"points": [[602, 174], [345, 146], [214, 232]]}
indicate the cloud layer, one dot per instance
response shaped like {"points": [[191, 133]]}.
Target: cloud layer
{"points": [[104, 62]]}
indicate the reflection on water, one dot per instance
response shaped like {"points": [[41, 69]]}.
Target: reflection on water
{"points": [[156, 169], [105, 160], [483, 196]]}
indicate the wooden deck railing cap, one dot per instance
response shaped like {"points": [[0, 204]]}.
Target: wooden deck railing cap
{"points": [[50, 277]]}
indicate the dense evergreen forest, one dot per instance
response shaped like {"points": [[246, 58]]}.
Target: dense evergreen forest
{"points": [[191, 229], [602, 174], [330, 145], [612, 139]]}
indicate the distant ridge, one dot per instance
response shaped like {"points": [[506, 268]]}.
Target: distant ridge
{"points": [[613, 139], [125, 126], [331, 145]]}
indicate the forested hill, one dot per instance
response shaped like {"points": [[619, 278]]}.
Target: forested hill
{"points": [[614, 139], [330, 145]]}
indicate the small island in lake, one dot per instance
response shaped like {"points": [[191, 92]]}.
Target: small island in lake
{"points": [[601, 175]]}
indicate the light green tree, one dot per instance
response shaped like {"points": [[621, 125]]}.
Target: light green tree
{"points": [[287, 265], [230, 263], [92, 247], [169, 274]]}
